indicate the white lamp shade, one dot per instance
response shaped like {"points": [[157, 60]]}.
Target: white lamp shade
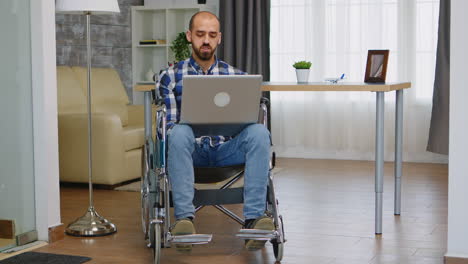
{"points": [[96, 7]]}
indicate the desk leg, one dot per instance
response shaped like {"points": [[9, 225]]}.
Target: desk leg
{"points": [[398, 149], [379, 161], [147, 109]]}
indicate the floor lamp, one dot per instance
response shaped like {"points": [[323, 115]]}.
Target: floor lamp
{"points": [[91, 223]]}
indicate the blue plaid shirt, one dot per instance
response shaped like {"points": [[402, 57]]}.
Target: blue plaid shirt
{"points": [[170, 86]]}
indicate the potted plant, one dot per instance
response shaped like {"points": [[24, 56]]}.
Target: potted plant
{"points": [[302, 71], [180, 47]]}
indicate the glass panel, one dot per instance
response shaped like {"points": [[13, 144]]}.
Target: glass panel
{"points": [[16, 125]]}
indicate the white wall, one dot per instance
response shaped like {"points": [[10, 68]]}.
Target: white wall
{"points": [[44, 86], [457, 241]]}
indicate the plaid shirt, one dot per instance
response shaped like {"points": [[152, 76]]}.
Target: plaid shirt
{"points": [[170, 86]]}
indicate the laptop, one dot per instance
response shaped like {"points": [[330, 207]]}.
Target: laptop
{"points": [[220, 104]]}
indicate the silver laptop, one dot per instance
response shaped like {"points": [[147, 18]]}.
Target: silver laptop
{"points": [[220, 104]]}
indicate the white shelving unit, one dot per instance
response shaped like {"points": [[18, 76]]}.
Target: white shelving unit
{"points": [[154, 23]]}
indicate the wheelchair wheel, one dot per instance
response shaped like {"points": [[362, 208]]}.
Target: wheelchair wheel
{"points": [[156, 243], [145, 191], [278, 245], [278, 250]]}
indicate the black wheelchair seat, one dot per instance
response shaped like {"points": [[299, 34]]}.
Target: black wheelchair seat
{"points": [[217, 174]]}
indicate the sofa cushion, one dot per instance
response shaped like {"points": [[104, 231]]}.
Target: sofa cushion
{"points": [[108, 93], [133, 163], [70, 97], [133, 137]]}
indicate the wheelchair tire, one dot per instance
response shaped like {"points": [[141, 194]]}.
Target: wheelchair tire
{"points": [[157, 244], [145, 191], [278, 246], [278, 250]]}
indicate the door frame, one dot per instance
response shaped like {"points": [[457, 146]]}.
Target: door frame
{"points": [[45, 125]]}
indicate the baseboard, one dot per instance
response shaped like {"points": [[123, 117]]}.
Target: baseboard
{"points": [[453, 260], [56, 233]]}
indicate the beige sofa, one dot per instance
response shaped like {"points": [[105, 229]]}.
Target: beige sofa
{"points": [[118, 128]]}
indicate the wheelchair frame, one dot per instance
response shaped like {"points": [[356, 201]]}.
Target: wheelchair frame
{"points": [[156, 198]]}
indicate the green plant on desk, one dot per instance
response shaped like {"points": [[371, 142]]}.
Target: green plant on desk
{"points": [[302, 71], [302, 65]]}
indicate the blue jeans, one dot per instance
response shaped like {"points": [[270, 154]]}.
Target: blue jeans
{"points": [[251, 146]]}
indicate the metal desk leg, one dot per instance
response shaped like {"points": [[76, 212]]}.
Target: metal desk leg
{"points": [[147, 108], [379, 161], [398, 149]]}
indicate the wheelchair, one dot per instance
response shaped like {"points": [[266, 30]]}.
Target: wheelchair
{"points": [[156, 194]]}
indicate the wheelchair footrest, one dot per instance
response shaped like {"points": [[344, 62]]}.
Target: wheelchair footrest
{"points": [[257, 234], [191, 239]]}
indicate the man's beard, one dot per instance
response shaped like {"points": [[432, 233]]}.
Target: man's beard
{"points": [[204, 55]]}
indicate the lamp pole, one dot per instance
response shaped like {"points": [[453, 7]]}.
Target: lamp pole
{"points": [[90, 129], [91, 223]]}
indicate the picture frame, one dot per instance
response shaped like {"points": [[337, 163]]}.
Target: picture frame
{"points": [[376, 67]]}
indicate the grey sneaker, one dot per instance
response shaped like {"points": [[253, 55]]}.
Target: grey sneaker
{"points": [[183, 226], [262, 223]]}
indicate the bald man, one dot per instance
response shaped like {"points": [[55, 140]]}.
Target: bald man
{"points": [[251, 146]]}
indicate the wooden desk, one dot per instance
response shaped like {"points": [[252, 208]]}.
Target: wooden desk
{"points": [[143, 87], [380, 90], [309, 87], [329, 87]]}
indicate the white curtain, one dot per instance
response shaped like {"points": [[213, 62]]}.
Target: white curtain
{"points": [[335, 36]]}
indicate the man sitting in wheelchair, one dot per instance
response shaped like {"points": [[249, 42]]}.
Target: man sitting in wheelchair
{"points": [[251, 146]]}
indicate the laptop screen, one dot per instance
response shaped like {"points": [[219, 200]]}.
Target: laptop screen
{"points": [[220, 101]]}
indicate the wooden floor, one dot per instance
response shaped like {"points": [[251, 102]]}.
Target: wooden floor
{"points": [[328, 209], [7, 242]]}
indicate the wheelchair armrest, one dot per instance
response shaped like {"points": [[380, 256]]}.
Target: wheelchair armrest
{"points": [[264, 101], [159, 107], [160, 119], [158, 101], [263, 112]]}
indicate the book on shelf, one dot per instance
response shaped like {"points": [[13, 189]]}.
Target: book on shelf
{"points": [[153, 42]]}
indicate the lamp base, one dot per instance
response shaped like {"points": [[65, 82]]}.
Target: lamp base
{"points": [[91, 224]]}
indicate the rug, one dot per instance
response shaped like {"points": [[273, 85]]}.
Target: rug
{"points": [[135, 186], [44, 258]]}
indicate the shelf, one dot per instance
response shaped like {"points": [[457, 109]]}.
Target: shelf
{"points": [[156, 24], [154, 46]]}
